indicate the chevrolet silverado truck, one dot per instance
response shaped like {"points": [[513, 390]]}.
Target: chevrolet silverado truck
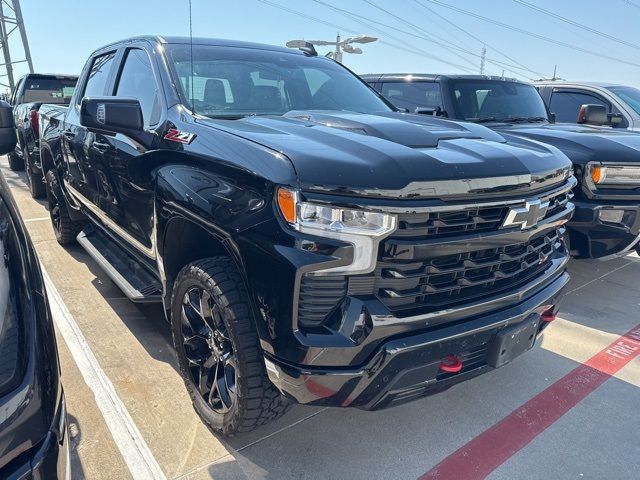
{"points": [[308, 242], [31, 91], [606, 160], [565, 99]]}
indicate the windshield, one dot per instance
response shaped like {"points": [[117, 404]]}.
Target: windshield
{"points": [[493, 100], [48, 90], [629, 95], [231, 82]]}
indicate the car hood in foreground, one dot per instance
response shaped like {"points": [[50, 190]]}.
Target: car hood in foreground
{"points": [[401, 156]]}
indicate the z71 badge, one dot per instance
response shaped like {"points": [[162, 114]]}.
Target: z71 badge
{"points": [[178, 136]]}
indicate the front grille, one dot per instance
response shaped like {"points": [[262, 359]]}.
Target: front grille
{"points": [[433, 283], [464, 221]]}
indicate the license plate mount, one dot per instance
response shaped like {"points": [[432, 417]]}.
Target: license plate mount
{"points": [[512, 341]]}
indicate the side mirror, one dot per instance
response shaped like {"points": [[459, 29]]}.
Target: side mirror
{"points": [[435, 111], [8, 137], [111, 115], [614, 119], [592, 115], [552, 118]]}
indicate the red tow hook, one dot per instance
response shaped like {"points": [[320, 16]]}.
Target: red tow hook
{"points": [[548, 315], [451, 364]]}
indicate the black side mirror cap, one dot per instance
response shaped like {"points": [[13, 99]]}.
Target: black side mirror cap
{"points": [[592, 115], [8, 137], [552, 118], [111, 115]]}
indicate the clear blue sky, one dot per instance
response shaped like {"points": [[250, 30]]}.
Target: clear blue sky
{"points": [[63, 32]]}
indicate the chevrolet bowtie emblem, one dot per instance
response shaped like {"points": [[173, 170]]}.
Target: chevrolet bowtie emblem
{"points": [[527, 216]]}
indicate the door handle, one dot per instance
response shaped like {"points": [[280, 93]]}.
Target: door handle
{"points": [[101, 146]]}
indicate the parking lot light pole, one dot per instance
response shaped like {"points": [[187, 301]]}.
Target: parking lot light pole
{"points": [[340, 45]]}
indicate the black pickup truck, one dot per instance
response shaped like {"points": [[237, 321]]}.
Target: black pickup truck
{"points": [[31, 91], [606, 161], [34, 441], [308, 242]]}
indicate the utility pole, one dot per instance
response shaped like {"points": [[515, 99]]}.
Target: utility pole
{"points": [[341, 45], [10, 21], [483, 58]]}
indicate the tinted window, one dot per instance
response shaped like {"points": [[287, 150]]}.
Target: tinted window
{"points": [[12, 360], [137, 81], [99, 75], [566, 105], [411, 95], [236, 82], [484, 99], [48, 90]]}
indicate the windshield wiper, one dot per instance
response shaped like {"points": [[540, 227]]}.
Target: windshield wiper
{"points": [[525, 119], [481, 119]]}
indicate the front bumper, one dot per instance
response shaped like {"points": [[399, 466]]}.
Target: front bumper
{"points": [[594, 237], [407, 367]]}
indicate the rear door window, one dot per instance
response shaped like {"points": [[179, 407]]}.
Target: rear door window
{"points": [[99, 75], [566, 105]]}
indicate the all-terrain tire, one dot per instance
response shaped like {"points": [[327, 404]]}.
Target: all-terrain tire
{"points": [[15, 162], [65, 228], [257, 400]]}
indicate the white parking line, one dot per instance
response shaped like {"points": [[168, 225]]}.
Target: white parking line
{"points": [[125, 433], [39, 219]]}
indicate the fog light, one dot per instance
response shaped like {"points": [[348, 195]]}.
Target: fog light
{"points": [[611, 215]]}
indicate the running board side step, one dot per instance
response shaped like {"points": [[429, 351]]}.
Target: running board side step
{"points": [[135, 280]]}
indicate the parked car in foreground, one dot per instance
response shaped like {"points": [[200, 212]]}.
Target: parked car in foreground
{"points": [[34, 442], [31, 91], [565, 99], [308, 242], [606, 161]]}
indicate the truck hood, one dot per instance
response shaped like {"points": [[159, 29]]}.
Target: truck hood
{"points": [[401, 156], [582, 144]]}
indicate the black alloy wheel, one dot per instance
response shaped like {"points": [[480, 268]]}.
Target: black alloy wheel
{"points": [[208, 350]]}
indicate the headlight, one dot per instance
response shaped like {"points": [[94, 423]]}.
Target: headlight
{"points": [[362, 228], [615, 175]]}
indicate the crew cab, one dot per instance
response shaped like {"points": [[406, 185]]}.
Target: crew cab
{"points": [[565, 99], [606, 161], [31, 91], [308, 242], [34, 442]]}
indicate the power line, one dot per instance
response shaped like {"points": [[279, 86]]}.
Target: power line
{"points": [[576, 24], [422, 37], [466, 32], [413, 51], [532, 34], [428, 35], [630, 3]]}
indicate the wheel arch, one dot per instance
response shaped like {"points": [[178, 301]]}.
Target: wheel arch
{"points": [[184, 241]]}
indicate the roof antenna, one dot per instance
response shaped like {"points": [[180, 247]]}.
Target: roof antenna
{"points": [[193, 107]]}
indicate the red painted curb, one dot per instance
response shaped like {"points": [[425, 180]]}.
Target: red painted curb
{"points": [[497, 444]]}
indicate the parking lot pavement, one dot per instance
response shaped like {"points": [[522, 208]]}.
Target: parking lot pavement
{"points": [[546, 415]]}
